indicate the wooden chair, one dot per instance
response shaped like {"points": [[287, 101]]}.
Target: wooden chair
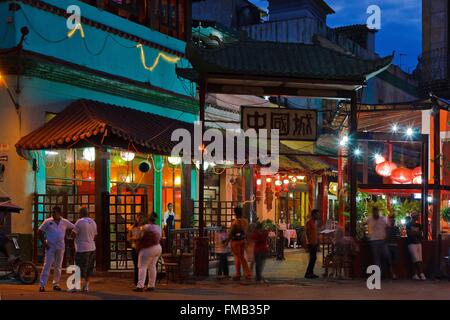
{"points": [[160, 271], [173, 269]]}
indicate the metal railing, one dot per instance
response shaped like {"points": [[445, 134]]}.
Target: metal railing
{"points": [[182, 240]]}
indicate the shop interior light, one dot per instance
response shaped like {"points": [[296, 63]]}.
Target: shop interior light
{"points": [[403, 221], [51, 153], [394, 128], [357, 152], [268, 180], [177, 181], [430, 199], [206, 164], [286, 181], [174, 160], [127, 155], [394, 201], [343, 141], [379, 158], [294, 179], [89, 154], [278, 183], [409, 132], [258, 182], [301, 177]]}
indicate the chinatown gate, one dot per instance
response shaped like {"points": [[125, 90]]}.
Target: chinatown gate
{"points": [[280, 69]]}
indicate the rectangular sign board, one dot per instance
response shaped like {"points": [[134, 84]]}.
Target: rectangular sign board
{"points": [[293, 124]]}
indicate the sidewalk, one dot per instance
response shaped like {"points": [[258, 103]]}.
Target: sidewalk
{"points": [[285, 278]]}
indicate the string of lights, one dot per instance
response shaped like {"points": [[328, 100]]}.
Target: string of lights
{"points": [[156, 61], [72, 32]]}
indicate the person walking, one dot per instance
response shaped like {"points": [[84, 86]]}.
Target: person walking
{"points": [[377, 226], [237, 237], [312, 240], [149, 251], [134, 234], [259, 238], [414, 238], [52, 233], [392, 236], [222, 249], [84, 233]]}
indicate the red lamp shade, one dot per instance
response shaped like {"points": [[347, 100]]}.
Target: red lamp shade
{"points": [[385, 168], [417, 171], [402, 175]]}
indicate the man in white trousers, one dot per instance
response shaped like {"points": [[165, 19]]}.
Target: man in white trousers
{"points": [[52, 233]]}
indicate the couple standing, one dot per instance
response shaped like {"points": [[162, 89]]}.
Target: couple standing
{"points": [[383, 241], [52, 233], [146, 250], [238, 236]]}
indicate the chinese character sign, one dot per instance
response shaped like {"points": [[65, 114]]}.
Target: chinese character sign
{"points": [[293, 124]]}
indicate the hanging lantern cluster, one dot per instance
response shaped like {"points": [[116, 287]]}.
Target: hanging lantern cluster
{"points": [[281, 182], [398, 175]]}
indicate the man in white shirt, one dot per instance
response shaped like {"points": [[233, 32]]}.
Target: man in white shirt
{"points": [[84, 232], [54, 229], [377, 226], [168, 213]]}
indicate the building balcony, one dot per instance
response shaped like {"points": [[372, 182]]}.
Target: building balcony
{"points": [[433, 72]]}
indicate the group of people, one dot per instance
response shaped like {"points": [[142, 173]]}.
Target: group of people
{"points": [[52, 234], [144, 237], [383, 235], [249, 245]]}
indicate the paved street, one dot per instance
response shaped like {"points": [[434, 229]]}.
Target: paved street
{"points": [[285, 282]]}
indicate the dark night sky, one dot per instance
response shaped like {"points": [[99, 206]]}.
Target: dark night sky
{"points": [[401, 25]]}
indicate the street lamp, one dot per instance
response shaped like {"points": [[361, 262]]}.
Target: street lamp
{"points": [[3, 83]]}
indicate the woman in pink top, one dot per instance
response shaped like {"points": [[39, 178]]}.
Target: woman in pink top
{"points": [[149, 251]]}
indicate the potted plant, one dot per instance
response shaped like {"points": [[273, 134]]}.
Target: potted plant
{"points": [[403, 208]]}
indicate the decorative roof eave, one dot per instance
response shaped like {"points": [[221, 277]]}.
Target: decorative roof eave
{"points": [[389, 61], [300, 61], [87, 123]]}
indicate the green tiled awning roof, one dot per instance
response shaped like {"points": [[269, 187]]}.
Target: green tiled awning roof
{"points": [[274, 59]]}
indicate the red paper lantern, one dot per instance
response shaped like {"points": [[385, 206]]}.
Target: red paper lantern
{"points": [[417, 171], [385, 169], [402, 175]]}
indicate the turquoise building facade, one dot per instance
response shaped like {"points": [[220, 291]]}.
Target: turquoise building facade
{"points": [[47, 66]]}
